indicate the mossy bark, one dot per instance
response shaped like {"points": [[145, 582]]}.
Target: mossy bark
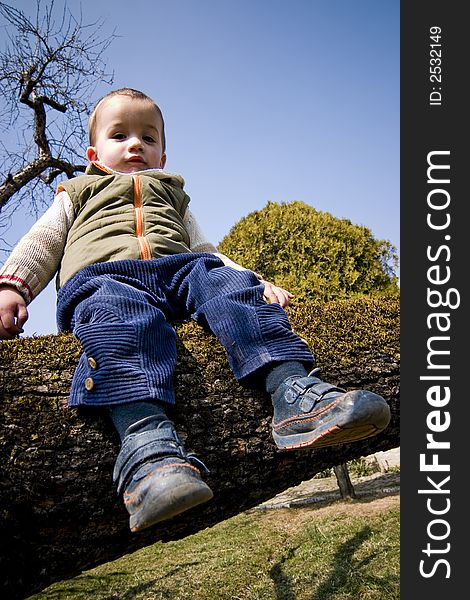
{"points": [[59, 510]]}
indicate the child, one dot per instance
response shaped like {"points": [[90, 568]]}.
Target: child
{"points": [[130, 258]]}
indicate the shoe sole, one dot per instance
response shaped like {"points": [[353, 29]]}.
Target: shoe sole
{"points": [[164, 498], [367, 415]]}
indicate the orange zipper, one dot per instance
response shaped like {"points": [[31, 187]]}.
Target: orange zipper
{"points": [[139, 219]]}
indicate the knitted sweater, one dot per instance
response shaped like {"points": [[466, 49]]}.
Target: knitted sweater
{"points": [[38, 255]]}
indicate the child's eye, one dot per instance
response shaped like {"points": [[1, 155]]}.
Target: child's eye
{"points": [[149, 139], [118, 136]]}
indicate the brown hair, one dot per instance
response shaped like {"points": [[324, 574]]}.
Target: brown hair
{"points": [[136, 95]]}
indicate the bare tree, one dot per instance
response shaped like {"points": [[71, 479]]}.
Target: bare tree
{"points": [[49, 68]]}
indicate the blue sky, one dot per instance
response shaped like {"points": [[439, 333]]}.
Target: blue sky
{"points": [[263, 100]]}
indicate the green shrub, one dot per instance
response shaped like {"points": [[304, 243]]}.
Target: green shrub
{"points": [[312, 253]]}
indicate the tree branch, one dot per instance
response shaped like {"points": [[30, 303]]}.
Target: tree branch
{"points": [[34, 169], [52, 62], [60, 512]]}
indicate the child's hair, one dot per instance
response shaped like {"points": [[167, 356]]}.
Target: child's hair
{"points": [[136, 95]]}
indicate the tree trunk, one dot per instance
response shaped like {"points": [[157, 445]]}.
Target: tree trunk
{"points": [[345, 485], [60, 512]]}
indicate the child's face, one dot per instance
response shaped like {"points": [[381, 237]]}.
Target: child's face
{"points": [[128, 135]]}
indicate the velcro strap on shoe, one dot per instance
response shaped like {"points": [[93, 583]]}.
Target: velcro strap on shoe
{"points": [[320, 389], [310, 386], [197, 462], [139, 447]]}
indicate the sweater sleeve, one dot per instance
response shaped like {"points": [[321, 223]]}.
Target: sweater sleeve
{"points": [[35, 259], [199, 243], [197, 240]]}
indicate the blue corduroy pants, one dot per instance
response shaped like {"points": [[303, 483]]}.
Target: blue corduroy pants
{"points": [[121, 312]]}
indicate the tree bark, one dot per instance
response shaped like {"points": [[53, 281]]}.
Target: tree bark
{"points": [[60, 512], [345, 485]]}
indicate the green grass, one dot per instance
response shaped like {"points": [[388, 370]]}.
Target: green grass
{"points": [[344, 551]]}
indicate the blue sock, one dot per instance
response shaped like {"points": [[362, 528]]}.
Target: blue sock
{"points": [[125, 415], [281, 371]]}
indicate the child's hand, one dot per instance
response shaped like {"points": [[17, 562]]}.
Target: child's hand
{"points": [[13, 313], [273, 293]]}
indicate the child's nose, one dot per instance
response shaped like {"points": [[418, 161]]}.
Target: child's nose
{"points": [[135, 143]]}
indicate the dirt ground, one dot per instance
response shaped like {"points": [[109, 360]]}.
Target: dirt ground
{"points": [[380, 489]]}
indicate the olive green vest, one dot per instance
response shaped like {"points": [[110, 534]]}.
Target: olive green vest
{"points": [[123, 216]]}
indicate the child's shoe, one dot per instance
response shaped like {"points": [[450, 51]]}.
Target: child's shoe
{"points": [[311, 413], [157, 478]]}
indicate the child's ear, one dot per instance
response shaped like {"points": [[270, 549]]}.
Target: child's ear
{"points": [[162, 161], [91, 153]]}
